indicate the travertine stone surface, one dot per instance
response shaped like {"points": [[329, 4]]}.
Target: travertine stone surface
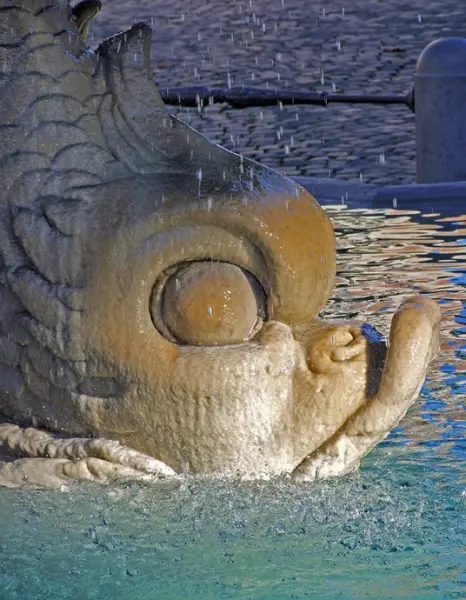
{"points": [[159, 295]]}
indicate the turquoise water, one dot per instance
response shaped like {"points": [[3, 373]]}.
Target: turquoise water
{"points": [[396, 529]]}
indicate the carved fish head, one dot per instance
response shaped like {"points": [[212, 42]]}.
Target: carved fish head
{"points": [[160, 290]]}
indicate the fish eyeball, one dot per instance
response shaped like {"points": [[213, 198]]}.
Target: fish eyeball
{"points": [[212, 304]]}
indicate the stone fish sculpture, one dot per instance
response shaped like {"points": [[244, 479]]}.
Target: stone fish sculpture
{"points": [[159, 295]]}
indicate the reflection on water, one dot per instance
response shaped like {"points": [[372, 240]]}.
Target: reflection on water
{"points": [[396, 529]]}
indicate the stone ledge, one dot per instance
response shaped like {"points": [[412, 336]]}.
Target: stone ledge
{"points": [[450, 196]]}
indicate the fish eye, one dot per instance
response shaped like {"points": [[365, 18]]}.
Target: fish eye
{"points": [[208, 303]]}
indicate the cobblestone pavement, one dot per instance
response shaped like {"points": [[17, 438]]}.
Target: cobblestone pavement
{"points": [[359, 46]]}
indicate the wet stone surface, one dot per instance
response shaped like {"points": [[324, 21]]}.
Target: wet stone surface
{"points": [[362, 46]]}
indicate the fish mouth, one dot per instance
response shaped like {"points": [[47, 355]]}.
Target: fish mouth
{"points": [[393, 386]]}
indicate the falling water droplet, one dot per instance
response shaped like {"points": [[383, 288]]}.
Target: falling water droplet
{"points": [[419, 18], [261, 116], [382, 158], [395, 202], [210, 311], [199, 178], [338, 44], [322, 77], [292, 141], [287, 150]]}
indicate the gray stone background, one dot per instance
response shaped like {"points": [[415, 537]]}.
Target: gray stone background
{"points": [[357, 46]]}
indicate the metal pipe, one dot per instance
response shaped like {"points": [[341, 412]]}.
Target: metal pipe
{"points": [[244, 97]]}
